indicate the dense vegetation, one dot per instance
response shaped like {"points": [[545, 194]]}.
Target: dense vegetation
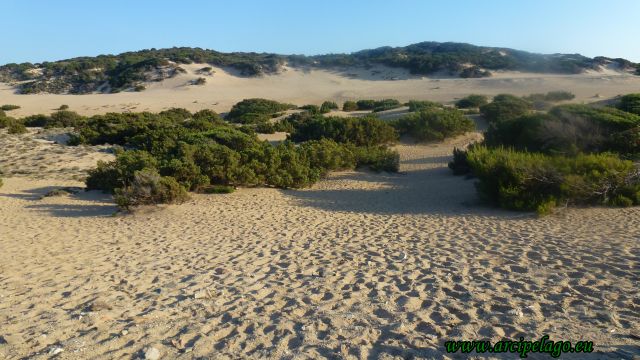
{"points": [[252, 111], [534, 181], [571, 155], [127, 70], [630, 103], [360, 131], [505, 107], [159, 157], [471, 101], [9, 107], [434, 124]]}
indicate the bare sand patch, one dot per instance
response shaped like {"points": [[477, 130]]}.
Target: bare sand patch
{"points": [[361, 265]]}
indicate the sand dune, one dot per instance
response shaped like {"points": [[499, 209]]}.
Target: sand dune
{"points": [[360, 266], [300, 86]]}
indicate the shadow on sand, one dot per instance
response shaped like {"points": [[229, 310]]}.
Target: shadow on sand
{"points": [[89, 203], [428, 192]]}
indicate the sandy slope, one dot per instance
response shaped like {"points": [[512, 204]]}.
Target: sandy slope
{"points": [[360, 266], [297, 86]]}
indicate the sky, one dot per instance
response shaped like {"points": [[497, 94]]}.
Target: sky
{"points": [[44, 30]]}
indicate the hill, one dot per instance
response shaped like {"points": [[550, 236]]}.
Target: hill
{"points": [[128, 71]]}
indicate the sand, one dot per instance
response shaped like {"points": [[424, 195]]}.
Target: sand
{"points": [[300, 86], [360, 266]]}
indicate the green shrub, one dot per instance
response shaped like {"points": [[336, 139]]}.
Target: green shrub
{"points": [[16, 127], [505, 107], [361, 131], [265, 128], [147, 187], [58, 119], [311, 109], [9, 107], [630, 103], [139, 88], [471, 101], [377, 158], [200, 81], [459, 165], [250, 111], [434, 124], [108, 176], [608, 117], [415, 105], [63, 107], [327, 106], [533, 181], [349, 106], [366, 104], [386, 104], [551, 96]]}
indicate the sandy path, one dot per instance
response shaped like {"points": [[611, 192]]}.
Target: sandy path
{"points": [[300, 87], [360, 266]]}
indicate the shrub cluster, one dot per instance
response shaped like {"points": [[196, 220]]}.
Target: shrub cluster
{"points": [[328, 106], [199, 152], [58, 119], [471, 102], [630, 103], [9, 107], [417, 105], [551, 96], [251, 111], [360, 131], [377, 105], [534, 181], [569, 129], [505, 107], [349, 106], [434, 124], [148, 188]]}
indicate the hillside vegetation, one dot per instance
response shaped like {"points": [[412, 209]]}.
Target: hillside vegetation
{"points": [[127, 71]]}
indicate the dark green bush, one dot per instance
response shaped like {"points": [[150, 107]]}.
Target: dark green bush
{"points": [[630, 103], [366, 104], [551, 96], [471, 101], [416, 105], [349, 106], [386, 104], [311, 109], [16, 127], [200, 81], [434, 124], [533, 181], [362, 131], [250, 111], [63, 107], [108, 176], [327, 106], [147, 187], [505, 107], [58, 119], [377, 158], [9, 107]]}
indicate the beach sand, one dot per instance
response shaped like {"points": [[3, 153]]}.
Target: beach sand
{"points": [[360, 266], [304, 86]]}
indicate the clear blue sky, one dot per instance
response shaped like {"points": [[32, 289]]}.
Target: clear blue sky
{"points": [[42, 30]]}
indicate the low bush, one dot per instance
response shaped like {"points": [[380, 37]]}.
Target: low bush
{"points": [[9, 107], [434, 124], [139, 88], [147, 187], [361, 131], [58, 119], [311, 109], [505, 107], [386, 104], [349, 106], [630, 103], [471, 102], [534, 181], [327, 106], [63, 107], [16, 127], [416, 105], [551, 96], [199, 81], [255, 110]]}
